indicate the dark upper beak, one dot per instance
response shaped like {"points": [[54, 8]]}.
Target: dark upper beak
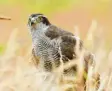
{"points": [[32, 23]]}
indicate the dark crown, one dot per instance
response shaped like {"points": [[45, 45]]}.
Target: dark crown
{"points": [[44, 19]]}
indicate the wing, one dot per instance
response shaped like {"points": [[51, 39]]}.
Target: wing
{"points": [[68, 41], [67, 45], [55, 32]]}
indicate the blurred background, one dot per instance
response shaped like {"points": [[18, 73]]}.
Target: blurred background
{"points": [[89, 19], [63, 13]]}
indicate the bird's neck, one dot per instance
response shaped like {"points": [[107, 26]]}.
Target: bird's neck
{"points": [[38, 32], [41, 27]]}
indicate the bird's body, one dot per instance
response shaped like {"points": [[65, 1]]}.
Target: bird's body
{"points": [[53, 44]]}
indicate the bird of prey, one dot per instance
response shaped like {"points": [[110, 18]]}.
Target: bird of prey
{"points": [[52, 44]]}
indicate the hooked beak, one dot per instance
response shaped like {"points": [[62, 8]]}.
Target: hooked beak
{"points": [[33, 22]]}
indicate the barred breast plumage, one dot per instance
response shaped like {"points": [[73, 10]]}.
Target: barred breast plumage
{"points": [[47, 47], [51, 43]]}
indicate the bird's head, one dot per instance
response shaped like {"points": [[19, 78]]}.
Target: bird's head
{"points": [[37, 21]]}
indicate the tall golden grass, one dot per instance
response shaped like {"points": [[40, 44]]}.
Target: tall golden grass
{"points": [[17, 73]]}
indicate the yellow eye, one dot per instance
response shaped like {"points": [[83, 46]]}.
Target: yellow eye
{"points": [[39, 19]]}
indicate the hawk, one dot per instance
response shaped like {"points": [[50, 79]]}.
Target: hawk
{"points": [[52, 44]]}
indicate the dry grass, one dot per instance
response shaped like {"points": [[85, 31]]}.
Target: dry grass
{"points": [[17, 73]]}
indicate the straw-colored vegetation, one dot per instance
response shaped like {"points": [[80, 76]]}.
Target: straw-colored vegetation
{"points": [[18, 73]]}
